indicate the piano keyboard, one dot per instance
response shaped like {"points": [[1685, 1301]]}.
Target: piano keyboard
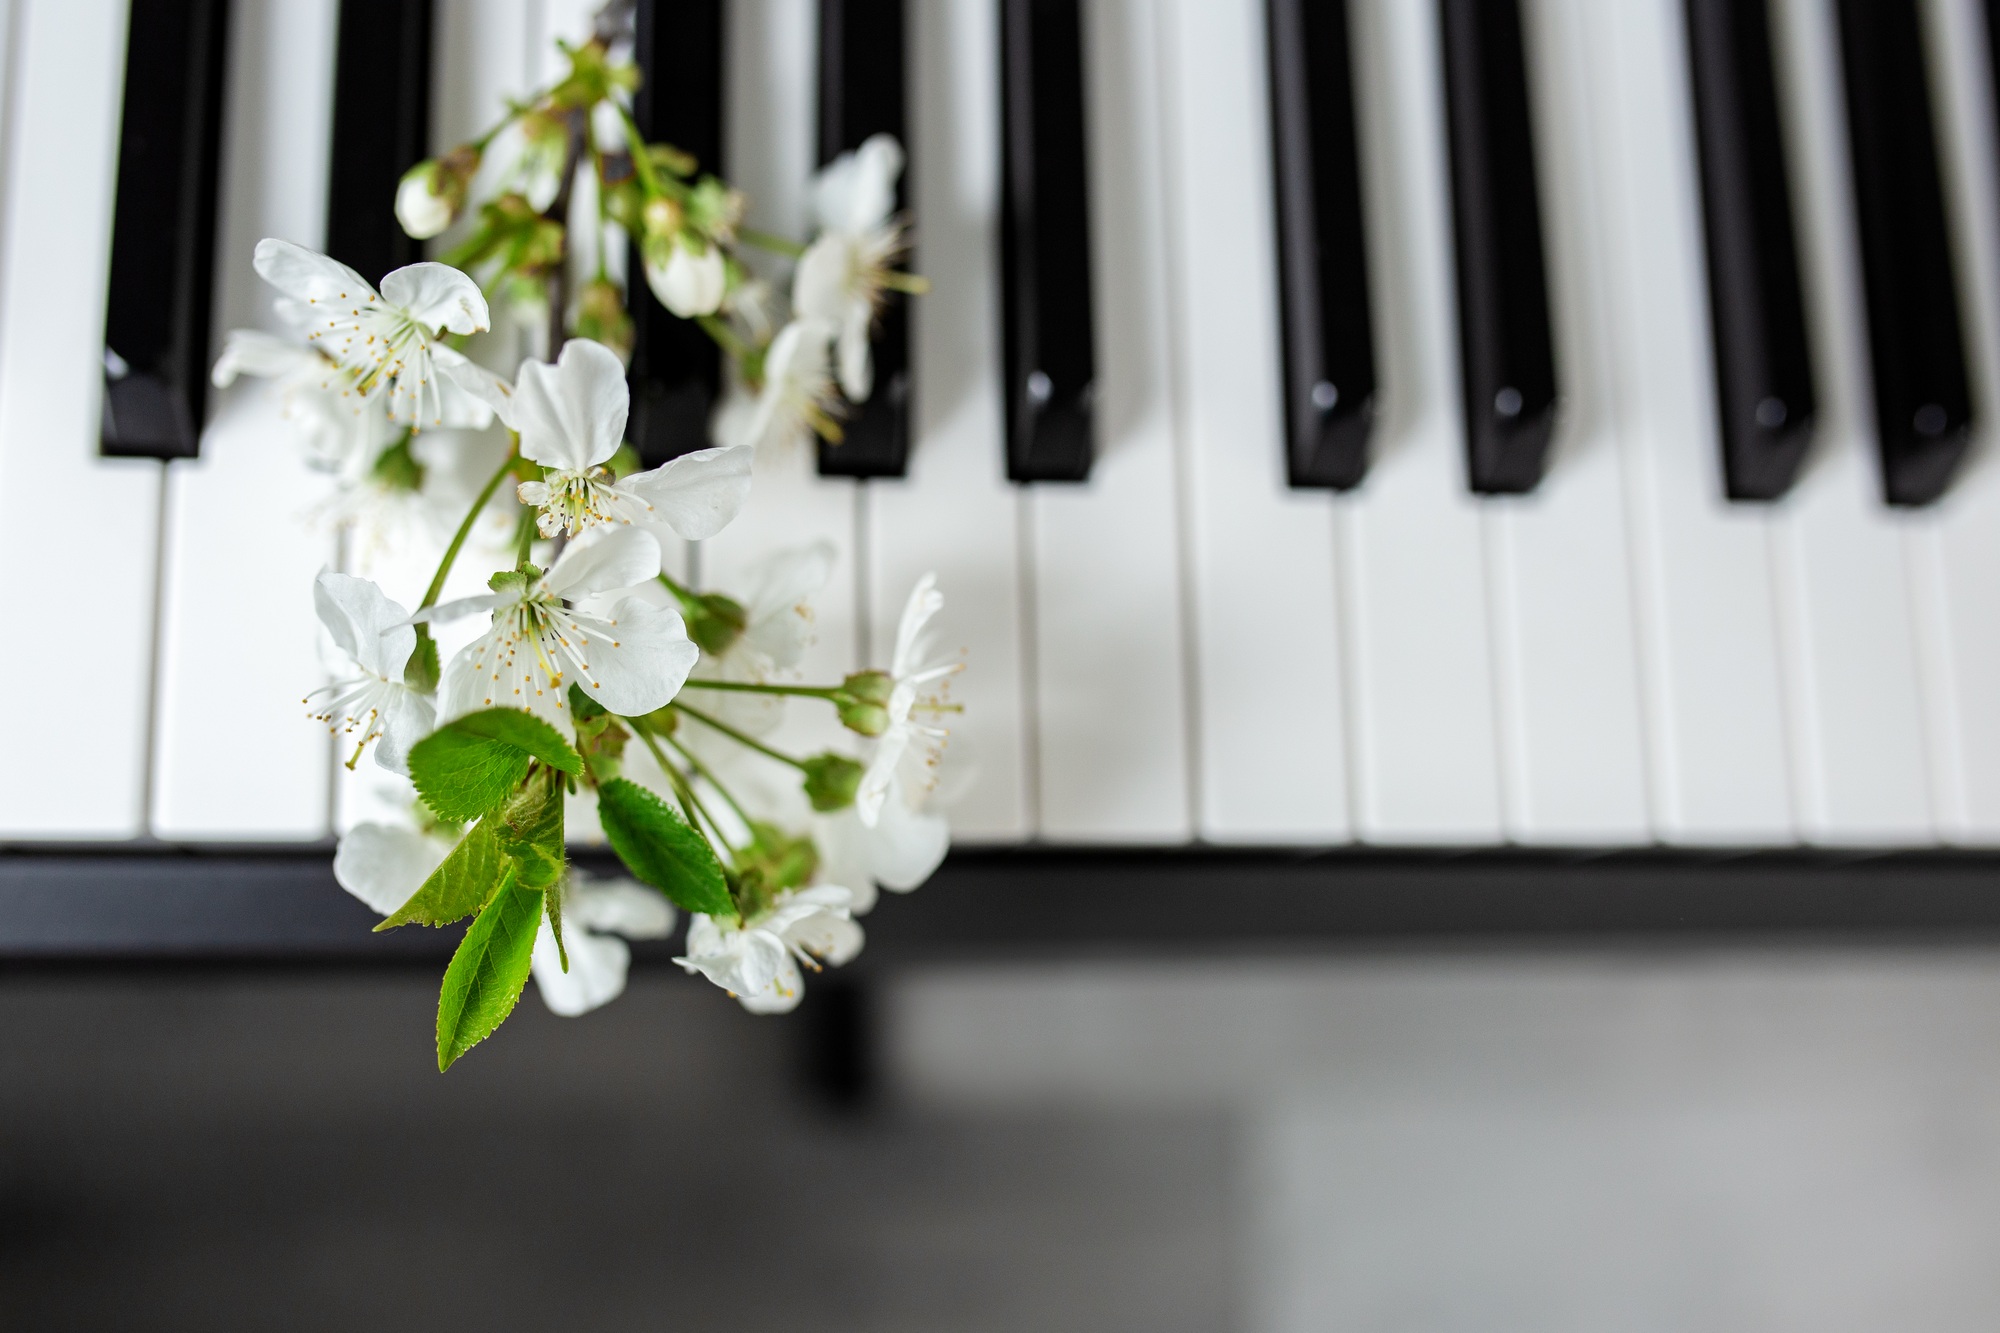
{"points": [[1324, 439]]}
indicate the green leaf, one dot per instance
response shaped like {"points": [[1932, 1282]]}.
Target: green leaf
{"points": [[661, 849], [486, 974], [523, 731], [530, 829], [460, 886], [468, 767]]}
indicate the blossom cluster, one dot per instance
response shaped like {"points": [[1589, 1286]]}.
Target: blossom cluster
{"points": [[585, 685]]}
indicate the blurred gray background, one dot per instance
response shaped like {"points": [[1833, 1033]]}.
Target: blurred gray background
{"points": [[1685, 1139]]}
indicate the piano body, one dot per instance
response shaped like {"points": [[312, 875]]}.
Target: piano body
{"points": [[1370, 442]]}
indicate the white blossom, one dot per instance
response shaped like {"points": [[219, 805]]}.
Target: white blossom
{"points": [[420, 208], [899, 851], [375, 635], [798, 392], [778, 627], [692, 281], [757, 961], [571, 417], [844, 273], [631, 661], [906, 735], [596, 912], [385, 343]]}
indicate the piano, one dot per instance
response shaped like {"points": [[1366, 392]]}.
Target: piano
{"points": [[1356, 438]]}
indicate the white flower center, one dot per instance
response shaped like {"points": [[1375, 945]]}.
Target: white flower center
{"points": [[571, 501], [380, 347], [531, 649]]}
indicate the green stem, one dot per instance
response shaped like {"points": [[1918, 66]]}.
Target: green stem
{"points": [[682, 792], [642, 158], [759, 687], [737, 736], [703, 770], [524, 538], [765, 240], [436, 590], [689, 602], [724, 336]]}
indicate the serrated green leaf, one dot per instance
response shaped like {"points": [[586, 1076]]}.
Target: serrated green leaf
{"points": [[661, 849], [461, 884], [462, 776], [469, 766], [486, 974], [523, 731], [530, 828]]}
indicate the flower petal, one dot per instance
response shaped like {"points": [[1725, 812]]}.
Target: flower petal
{"points": [[572, 415], [857, 190], [369, 628], [469, 376], [383, 865], [460, 405], [925, 602], [308, 276], [438, 296], [408, 719], [697, 494], [604, 559], [596, 976], [254, 352], [857, 367], [638, 660]]}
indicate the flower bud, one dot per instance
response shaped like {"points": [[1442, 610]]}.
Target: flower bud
{"points": [[715, 622], [690, 283], [831, 781], [663, 218], [871, 686], [431, 194]]}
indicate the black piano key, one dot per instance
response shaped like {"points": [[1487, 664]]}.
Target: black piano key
{"points": [[1923, 406], [676, 369], [1050, 362], [1506, 356], [860, 95], [1329, 348], [156, 324], [381, 128], [1763, 363]]}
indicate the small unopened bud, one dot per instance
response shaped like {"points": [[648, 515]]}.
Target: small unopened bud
{"points": [[716, 622], [831, 781], [689, 282], [663, 218], [432, 193]]}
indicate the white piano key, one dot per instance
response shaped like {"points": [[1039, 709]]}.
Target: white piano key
{"points": [[235, 756], [1956, 554], [1851, 669], [1110, 688], [82, 709], [769, 120], [1559, 576], [954, 513], [1273, 762], [1709, 647], [1421, 701]]}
